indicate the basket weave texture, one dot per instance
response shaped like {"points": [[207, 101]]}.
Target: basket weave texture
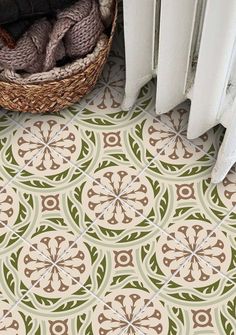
{"points": [[54, 95]]}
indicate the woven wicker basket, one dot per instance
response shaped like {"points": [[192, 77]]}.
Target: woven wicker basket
{"points": [[45, 95]]}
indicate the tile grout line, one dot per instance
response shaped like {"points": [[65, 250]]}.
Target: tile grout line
{"points": [[85, 231], [137, 177], [189, 141], [162, 288], [74, 117], [215, 228], [20, 126], [82, 171], [218, 271], [21, 169], [165, 233], [24, 295], [162, 122], [128, 186], [175, 273], [160, 229], [67, 250], [54, 264]]}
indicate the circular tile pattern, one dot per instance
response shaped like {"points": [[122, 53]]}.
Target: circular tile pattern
{"points": [[139, 195], [56, 283], [194, 273], [129, 304], [47, 162]]}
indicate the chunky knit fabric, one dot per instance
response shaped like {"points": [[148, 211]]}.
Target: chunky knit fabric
{"points": [[29, 53], [80, 26], [106, 9], [16, 16], [11, 32], [74, 33]]}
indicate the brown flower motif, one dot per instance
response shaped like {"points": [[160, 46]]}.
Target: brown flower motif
{"points": [[123, 258], [110, 95], [12, 322], [9, 207], [47, 161], [185, 191], [227, 190], [112, 139], [178, 149], [158, 136], [139, 195], [176, 119], [59, 327], [76, 262], [50, 203], [202, 318], [152, 321], [195, 272]]}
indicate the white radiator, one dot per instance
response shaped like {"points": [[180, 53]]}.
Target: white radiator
{"points": [[190, 46]]}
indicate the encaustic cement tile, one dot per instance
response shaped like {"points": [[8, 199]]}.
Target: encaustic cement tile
{"points": [[66, 308], [178, 119], [49, 169], [195, 297], [181, 162], [220, 248], [112, 156], [200, 310], [105, 111], [99, 289], [10, 138], [196, 300], [188, 303], [33, 205], [187, 208]]}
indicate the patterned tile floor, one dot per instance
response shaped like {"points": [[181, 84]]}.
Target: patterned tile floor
{"points": [[109, 223]]}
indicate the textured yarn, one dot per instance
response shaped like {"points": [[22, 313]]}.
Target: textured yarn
{"points": [[80, 26], [29, 52], [75, 33], [57, 73], [106, 9]]}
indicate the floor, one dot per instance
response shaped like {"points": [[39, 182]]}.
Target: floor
{"points": [[109, 223]]}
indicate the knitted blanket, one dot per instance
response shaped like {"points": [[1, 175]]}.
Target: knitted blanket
{"points": [[16, 16], [74, 33], [21, 14]]}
